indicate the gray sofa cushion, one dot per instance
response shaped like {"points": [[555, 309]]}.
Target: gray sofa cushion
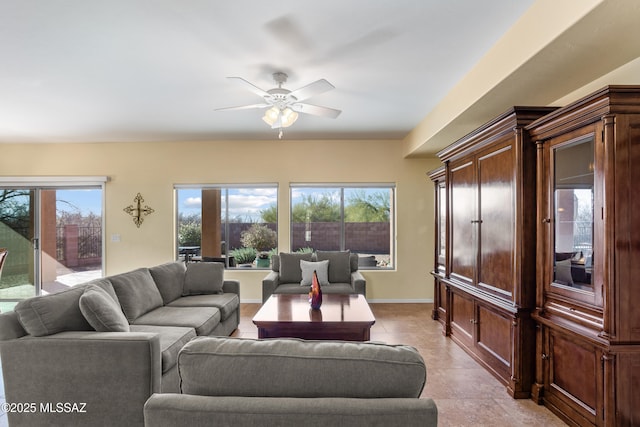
{"points": [[49, 314], [58, 312], [297, 368], [101, 311], [169, 278], [137, 292], [202, 319], [290, 271], [339, 265], [227, 303], [203, 278], [354, 258], [172, 339], [320, 267]]}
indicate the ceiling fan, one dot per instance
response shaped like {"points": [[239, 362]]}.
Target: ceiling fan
{"points": [[284, 105]]}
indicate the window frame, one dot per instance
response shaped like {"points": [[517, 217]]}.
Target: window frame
{"points": [[225, 188], [341, 186]]}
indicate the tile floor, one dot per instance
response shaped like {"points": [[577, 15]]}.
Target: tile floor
{"points": [[466, 394]]}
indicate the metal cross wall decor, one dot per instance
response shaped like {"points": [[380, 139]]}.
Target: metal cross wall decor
{"points": [[137, 210]]}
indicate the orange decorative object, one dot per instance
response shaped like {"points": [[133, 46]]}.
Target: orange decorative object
{"points": [[315, 294]]}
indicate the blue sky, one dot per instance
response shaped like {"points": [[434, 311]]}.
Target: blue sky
{"points": [[82, 200], [245, 203]]}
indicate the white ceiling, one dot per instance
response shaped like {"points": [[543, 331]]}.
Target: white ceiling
{"points": [[155, 70]]}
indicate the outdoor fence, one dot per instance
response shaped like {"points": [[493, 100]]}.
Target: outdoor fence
{"points": [[362, 237]]}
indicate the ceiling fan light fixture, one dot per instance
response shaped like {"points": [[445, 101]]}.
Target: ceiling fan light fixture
{"points": [[271, 115], [288, 117], [277, 118]]}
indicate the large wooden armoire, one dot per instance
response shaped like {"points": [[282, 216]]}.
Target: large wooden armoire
{"points": [[485, 282], [588, 259]]}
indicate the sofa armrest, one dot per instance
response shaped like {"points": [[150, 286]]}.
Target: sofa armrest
{"points": [[269, 284], [10, 327], [104, 377], [173, 410], [231, 287], [359, 283]]}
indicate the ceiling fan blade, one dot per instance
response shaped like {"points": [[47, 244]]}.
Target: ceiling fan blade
{"points": [[244, 107], [316, 110], [312, 89], [253, 88]]}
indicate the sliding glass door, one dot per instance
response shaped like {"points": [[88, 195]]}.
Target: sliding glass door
{"points": [[53, 238], [17, 236]]}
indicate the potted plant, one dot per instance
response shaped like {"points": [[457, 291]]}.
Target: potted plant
{"points": [[244, 257], [262, 239]]}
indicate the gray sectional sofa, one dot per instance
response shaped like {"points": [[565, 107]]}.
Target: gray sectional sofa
{"points": [[341, 275], [289, 382], [93, 354]]}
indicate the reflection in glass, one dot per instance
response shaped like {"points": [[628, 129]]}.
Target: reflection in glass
{"points": [[573, 210], [442, 231]]}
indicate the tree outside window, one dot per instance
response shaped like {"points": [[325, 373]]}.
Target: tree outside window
{"points": [[355, 218]]}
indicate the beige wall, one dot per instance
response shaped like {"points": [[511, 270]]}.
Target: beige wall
{"points": [[153, 168]]}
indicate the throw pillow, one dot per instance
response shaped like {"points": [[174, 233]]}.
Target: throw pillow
{"points": [[339, 265], [202, 278], [321, 268], [290, 271], [563, 272], [101, 311]]}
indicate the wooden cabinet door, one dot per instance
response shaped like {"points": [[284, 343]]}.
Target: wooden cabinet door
{"points": [[574, 377], [494, 339], [496, 221], [462, 208], [573, 217], [462, 317]]}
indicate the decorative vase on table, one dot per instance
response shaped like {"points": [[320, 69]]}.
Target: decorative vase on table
{"points": [[315, 294]]}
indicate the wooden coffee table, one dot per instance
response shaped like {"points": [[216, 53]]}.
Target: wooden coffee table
{"points": [[341, 317]]}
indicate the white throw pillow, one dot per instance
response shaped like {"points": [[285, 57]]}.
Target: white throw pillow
{"points": [[321, 268]]}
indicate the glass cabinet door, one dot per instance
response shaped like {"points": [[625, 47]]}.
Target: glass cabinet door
{"points": [[441, 231], [573, 216]]}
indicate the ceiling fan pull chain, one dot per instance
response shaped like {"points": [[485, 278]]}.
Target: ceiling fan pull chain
{"points": [[280, 134]]}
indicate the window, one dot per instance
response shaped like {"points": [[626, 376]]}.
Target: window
{"points": [[358, 218], [52, 228], [236, 225]]}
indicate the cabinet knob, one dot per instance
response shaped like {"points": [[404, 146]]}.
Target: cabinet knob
{"points": [[476, 221], [544, 356], [546, 220]]}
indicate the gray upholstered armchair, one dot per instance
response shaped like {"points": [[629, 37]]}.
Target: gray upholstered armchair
{"points": [[287, 271]]}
